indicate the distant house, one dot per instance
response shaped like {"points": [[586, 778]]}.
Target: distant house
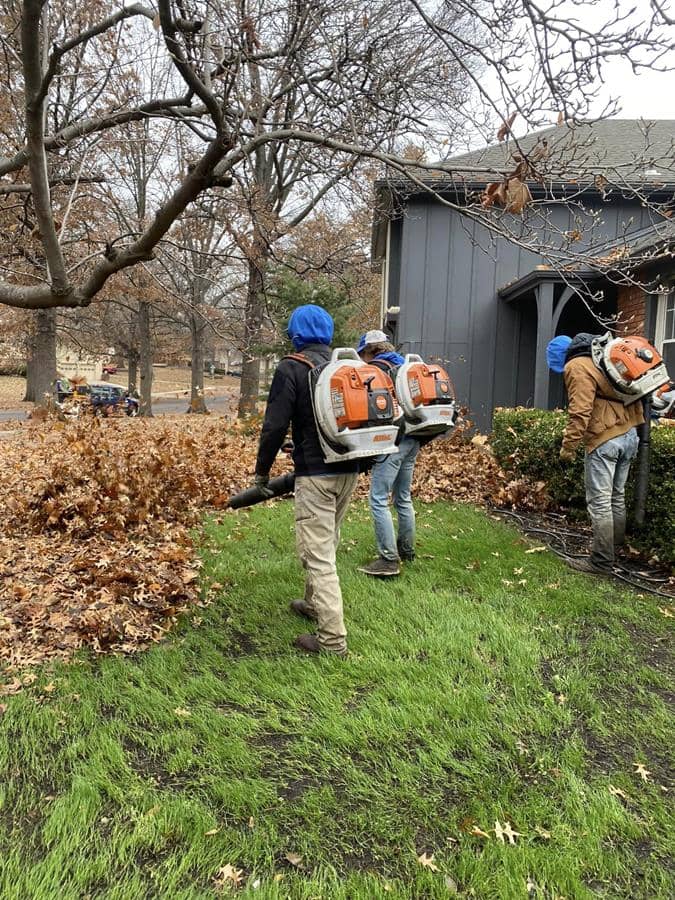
{"points": [[77, 363], [455, 291]]}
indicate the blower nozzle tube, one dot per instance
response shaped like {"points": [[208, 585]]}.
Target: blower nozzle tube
{"points": [[283, 484]]}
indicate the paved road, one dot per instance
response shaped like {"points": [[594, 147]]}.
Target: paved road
{"points": [[221, 403], [11, 415]]}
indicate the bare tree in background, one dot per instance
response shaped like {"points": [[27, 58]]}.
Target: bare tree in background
{"points": [[135, 161], [334, 243], [196, 266], [345, 73]]}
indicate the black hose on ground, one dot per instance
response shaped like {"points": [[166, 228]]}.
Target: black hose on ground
{"points": [[642, 581]]}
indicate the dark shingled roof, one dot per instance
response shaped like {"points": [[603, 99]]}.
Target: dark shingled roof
{"points": [[653, 241], [636, 153], [635, 148]]}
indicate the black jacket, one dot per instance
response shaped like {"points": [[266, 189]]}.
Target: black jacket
{"points": [[290, 403]]}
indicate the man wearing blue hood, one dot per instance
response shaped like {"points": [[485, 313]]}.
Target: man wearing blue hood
{"points": [[606, 427], [391, 477], [322, 490]]}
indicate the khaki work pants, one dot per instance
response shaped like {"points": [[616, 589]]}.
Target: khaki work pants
{"points": [[321, 502]]}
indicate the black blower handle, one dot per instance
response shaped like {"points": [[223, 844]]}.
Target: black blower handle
{"points": [[276, 487], [642, 464]]}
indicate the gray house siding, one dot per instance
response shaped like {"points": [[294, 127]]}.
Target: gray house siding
{"points": [[444, 274]]}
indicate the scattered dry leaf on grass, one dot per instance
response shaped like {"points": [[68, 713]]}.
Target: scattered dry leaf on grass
{"points": [[427, 860], [642, 771], [295, 859], [617, 792], [228, 876], [505, 831]]}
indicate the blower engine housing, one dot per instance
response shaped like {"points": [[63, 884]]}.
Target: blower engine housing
{"points": [[355, 408], [633, 366], [426, 395]]}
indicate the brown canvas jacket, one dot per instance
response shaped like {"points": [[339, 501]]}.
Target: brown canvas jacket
{"points": [[596, 415]]}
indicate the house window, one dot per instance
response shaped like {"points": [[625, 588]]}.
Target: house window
{"points": [[665, 330]]}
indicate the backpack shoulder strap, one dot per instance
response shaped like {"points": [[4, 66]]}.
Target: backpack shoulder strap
{"points": [[385, 364], [300, 357]]}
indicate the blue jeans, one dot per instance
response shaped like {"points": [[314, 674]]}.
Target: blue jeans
{"points": [[392, 475], [606, 471]]}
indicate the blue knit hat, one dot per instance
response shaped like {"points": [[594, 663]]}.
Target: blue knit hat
{"points": [[556, 352], [310, 324]]}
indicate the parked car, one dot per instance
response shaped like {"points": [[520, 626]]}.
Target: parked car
{"points": [[110, 369], [107, 398]]}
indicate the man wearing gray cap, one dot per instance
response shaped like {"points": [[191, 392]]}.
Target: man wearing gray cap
{"points": [[391, 477]]}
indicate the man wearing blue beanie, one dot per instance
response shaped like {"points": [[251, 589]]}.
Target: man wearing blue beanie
{"points": [[556, 353], [322, 490]]}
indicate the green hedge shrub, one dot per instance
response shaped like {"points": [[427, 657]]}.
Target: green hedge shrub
{"points": [[658, 533], [527, 443]]}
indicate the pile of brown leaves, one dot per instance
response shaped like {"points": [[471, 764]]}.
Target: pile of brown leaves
{"points": [[95, 547], [464, 470]]}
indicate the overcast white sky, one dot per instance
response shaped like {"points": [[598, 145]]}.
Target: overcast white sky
{"points": [[650, 95]]}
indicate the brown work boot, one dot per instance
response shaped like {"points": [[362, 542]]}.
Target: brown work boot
{"points": [[382, 568], [310, 644], [302, 608], [587, 565]]}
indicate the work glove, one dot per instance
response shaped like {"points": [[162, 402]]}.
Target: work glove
{"points": [[262, 482], [567, 455]]}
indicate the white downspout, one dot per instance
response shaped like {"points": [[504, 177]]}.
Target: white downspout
{"points": [[384, 293]]}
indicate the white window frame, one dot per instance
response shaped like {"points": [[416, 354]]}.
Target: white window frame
{"points": [[660, 330]]}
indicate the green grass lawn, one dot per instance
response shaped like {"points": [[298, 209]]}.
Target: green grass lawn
{"points": [[486, 685]]}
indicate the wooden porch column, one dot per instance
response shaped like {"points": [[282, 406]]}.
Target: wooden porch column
{"points": [[544, 335]]}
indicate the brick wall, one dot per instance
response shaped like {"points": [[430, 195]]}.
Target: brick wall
{"points": [[631, 308]]}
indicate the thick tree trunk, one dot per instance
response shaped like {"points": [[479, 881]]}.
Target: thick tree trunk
{"points": [[197, 331], [255, 312], [145, 350], [41, 367], [132, 363]]}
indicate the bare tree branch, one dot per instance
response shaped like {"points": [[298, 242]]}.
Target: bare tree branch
{"points": [[58, 52], [37, 158]]}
